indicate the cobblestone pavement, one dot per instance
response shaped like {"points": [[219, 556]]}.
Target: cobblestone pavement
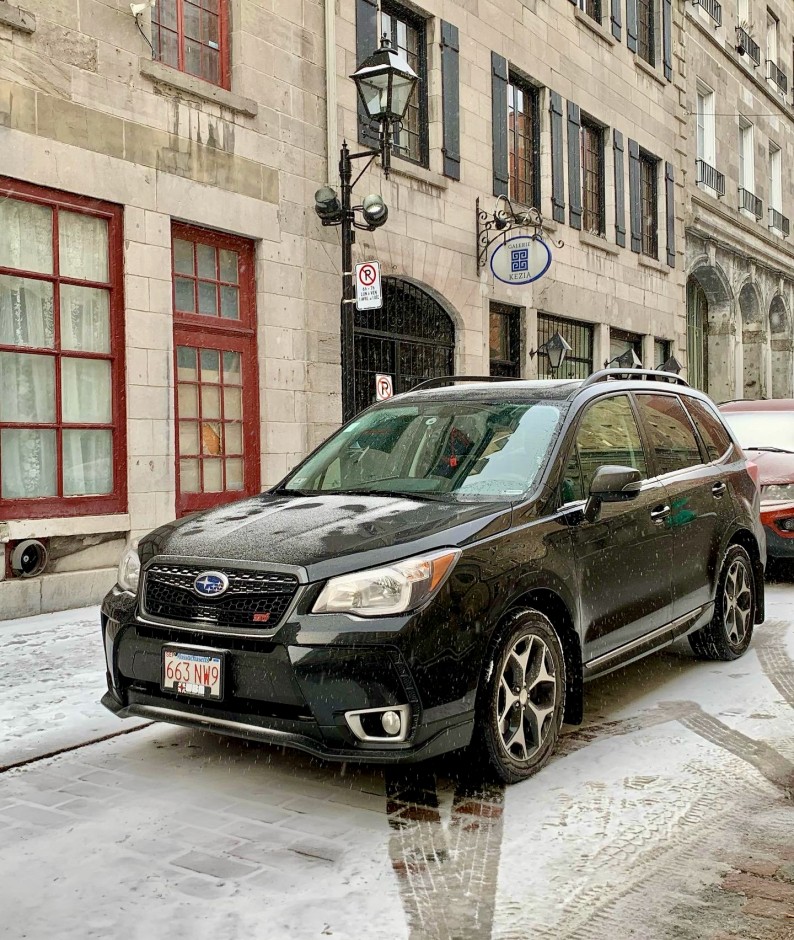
{"points": [[667, 816]]}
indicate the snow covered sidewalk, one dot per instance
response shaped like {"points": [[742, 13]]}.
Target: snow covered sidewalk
{"points": [[52, 676]]}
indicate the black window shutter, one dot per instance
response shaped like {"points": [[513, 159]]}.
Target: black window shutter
{"points": [[557, 182], [501, 178], [620, 191], [635, 206], [574, 166], [667, 38], [669, 194], [450, 94], [631, 24], [366, 44], [615, 18]]}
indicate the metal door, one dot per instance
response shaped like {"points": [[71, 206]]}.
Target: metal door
{"points": [[411, 338]]}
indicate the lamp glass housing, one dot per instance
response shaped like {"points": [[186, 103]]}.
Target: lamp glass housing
{"points": [[385, 82], [556, 348]]}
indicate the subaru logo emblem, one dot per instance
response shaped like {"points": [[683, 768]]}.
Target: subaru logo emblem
{"points": [[211, 584]]}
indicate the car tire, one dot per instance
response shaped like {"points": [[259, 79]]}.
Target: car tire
{"points": [[522, 699], [730, 631]]}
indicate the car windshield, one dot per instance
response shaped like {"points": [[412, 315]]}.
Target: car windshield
{"points": [[435, 450], [762, 430]]}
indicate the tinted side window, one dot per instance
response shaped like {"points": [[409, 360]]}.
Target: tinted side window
{"points": [[607, 434], [672, 437], [711, 429]]}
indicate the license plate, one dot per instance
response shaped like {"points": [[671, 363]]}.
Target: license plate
{"points": [[194, 672]]}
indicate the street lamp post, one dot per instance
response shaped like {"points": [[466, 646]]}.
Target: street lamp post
{"points": [[385, 82]]}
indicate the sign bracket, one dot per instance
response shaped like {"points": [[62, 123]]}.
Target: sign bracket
{"points": [[503, 220]]}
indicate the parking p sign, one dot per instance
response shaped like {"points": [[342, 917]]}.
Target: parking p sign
{"points": [[369, 295]]}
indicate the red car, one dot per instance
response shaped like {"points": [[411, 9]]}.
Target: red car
{"points": [[765, 430]]}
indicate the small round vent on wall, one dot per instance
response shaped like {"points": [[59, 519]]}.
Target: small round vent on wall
{"points": [[28, 558]]}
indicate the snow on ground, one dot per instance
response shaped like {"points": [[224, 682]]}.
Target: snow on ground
{"points": [[680, 766], [52, 676]]}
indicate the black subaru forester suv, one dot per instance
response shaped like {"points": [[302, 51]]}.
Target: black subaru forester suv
{"points": [[447, 571]]}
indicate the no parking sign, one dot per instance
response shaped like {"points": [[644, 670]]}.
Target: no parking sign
{"points": [[369, 295], [384, 387]]}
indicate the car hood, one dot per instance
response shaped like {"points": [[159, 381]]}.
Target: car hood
{"points": [[772, 467], [326, 535]]}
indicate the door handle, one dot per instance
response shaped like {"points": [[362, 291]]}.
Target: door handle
{"points": [[660, 513], [718, 489]]}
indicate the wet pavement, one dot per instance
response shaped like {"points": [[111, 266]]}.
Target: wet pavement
{"points": [[668, 814]]}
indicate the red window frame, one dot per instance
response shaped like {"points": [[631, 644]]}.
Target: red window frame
{"points": [[205, 331], [60, 506], [160, 29]]}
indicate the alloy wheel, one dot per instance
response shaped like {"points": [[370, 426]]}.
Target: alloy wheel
{"points": [[527, 697], [737, 602]]}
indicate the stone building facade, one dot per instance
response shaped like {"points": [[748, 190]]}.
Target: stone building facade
{"points": [[169, 302], [740, 147]]}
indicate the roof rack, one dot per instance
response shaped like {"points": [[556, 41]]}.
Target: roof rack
{"points": [[440, 380], [604, 375]]}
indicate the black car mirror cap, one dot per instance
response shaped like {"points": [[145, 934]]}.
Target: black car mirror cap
{"points": [[612, 484]]}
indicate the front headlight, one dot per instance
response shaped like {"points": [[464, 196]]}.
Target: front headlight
{"points": [[778, 493], [395, 589], [129, 571]]}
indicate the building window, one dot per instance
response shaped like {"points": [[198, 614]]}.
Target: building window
{"points": [[775, 179], [407, 33], [523, 132], [649, 213], [592, 8], [192, 36], [646, 31], [578, 363], [771, 37], [593, 202], [505, 341], [746, 156], [706, 136], [217, 391], [620, 342], [62, 425], [662, 350]]}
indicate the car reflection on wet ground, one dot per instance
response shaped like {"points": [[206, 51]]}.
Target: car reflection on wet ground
{"points": [[681, 773]]}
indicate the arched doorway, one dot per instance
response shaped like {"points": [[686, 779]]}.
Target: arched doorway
{"points": [[753, 336], [782, 362], [411, 338], [711, 331], [697, 318]]}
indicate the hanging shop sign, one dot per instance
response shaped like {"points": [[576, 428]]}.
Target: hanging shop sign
{"points": [[521, 260]]}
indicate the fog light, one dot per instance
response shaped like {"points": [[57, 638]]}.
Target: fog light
{"points": [[787, 525], [391, 722]]}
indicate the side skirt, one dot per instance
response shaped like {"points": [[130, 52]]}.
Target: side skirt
{"points": [[651, 643]]}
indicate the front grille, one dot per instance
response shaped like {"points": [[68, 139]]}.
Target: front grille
{"points": [[254, 599]]}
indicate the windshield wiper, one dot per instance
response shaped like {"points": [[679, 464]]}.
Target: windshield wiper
{"points": [[399, 494], [771, 450]]}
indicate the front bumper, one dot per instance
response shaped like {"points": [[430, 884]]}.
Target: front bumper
{"points": [[282, 691], [779, 541]]}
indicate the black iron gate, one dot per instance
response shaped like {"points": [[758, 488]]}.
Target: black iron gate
{"points": [[411, 338]]}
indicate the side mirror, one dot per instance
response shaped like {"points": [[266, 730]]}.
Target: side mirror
{"points": [[611, 485]]}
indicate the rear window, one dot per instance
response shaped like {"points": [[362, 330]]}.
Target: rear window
{"points": [[672, 436], [710, 428]]}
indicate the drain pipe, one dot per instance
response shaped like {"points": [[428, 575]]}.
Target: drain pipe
{"points": [[331, 120]]}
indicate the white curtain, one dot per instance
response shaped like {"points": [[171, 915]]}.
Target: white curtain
{"points": [[26, 312], [27, 463], [25, 236]]}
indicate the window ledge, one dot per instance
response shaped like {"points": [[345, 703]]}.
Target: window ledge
{"points": [[165, 75], [68, 525], [645, 261], [649, 69], [17, 19], [594, 26], [597, 241], [422, 174]]}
